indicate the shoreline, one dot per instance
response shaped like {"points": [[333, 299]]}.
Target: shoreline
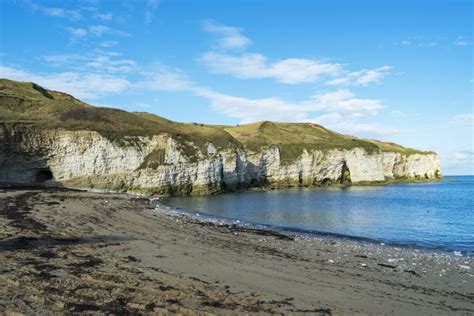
{"points": [[75, 251], [301, 234]]}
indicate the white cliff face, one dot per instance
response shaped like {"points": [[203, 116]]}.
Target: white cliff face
{"points": [[158, 165], [418, 165]]}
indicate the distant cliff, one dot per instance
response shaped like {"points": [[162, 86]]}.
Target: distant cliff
{"points": [[51, 136]]}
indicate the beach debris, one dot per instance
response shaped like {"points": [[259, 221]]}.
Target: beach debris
{"points": [[363, 265], [457, 253], [465, 267], [331, 261], [387, 265], [411, 272]]}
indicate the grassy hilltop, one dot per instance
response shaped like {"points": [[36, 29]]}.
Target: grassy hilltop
{"points": [[28, 103]]}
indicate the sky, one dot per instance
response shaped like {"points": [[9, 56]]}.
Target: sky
{"points": [[399, 71]]}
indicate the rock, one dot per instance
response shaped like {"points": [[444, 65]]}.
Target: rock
{"points": [[86, 159]]}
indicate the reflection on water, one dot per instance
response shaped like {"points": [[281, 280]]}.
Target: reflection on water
{"points": [[429, 214]]}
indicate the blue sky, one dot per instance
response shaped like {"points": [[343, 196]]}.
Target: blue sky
{"points": [[391, 70]]}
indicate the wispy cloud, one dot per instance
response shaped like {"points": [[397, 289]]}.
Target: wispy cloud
{"points": [[462, 41], [228, 37], [162, 78], [103, 16], [99, 30], [246, 65], [107, 44], [79, 84], [96, 61], [363, 77], [54, 11], [151, 7], [251, 65], [77, 32], [417, 41]]}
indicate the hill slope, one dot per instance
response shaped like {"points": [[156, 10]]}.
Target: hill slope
{"points": [[76, 143], [25, 102]]}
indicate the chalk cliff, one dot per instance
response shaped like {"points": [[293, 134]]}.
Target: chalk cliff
{"points": [[50, 136]]}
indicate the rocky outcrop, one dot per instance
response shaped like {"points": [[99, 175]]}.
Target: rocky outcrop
{"points": [[159, 164]]}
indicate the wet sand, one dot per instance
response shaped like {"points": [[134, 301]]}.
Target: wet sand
{"points": [[70, 251]]}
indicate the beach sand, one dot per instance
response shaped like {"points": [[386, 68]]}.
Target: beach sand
{"points": [[72, 251]]}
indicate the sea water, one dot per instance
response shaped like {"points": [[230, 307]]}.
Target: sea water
{"points": [[436, 215]]}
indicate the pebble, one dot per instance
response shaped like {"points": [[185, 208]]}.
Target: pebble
{"points": [[331, 261], [465, 267]]}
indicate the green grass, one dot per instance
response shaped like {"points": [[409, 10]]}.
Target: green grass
{"points": [[294, 138], [28, 103]]}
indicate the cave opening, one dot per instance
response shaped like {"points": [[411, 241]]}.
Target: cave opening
{"points": [[44, 175], [345, 174]]}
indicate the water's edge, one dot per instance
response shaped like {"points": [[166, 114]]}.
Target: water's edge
{"points": [[162, 207]]}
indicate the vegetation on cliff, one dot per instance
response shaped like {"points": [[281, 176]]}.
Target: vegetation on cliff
{"points": [[28, 103]]}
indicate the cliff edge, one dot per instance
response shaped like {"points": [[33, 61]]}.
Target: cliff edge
{"points": [[51, 136]]}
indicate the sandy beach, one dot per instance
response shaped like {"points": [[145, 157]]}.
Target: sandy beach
{"points": [[72, 251]]}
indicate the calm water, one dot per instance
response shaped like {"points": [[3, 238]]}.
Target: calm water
{"points": [[435, 215]]}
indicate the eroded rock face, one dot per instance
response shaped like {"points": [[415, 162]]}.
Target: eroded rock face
{"points": [[159, 164]]}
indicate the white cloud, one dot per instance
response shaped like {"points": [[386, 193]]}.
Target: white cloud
{"points": [[77, 33], [363, 77], [151, 7], [251, 65], [417, 41], [346, 104], [245, 65], [341, 111], [96, 61], [57, 12], [99, 30], [165, 79], [108, 43], [103, 16], [405, 43], [228, 37], [462, 41], [80, 85]]}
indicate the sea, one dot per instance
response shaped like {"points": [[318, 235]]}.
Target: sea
{"points": [[434, 215]]}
